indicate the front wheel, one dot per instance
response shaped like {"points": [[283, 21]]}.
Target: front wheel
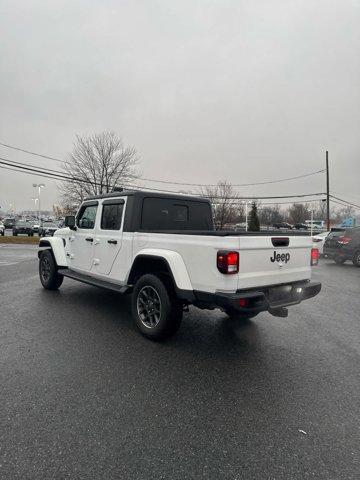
{"points": [[156, 310], [339, 260], [49, 277], [356, 259]]}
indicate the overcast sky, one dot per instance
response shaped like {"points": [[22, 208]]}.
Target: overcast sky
{"points": [[205, 90]]}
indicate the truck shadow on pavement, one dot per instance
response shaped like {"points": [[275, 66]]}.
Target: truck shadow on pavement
{"points": [[206, 331]]}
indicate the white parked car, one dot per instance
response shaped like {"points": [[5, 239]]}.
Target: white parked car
{"points": [[163, 250], [319, 240]]}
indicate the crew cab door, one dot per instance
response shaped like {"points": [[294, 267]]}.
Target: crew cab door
{"points": [[108, 237], [82, 239]]}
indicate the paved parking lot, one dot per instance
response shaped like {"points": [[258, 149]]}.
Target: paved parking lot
{"points": [[84, 396]]}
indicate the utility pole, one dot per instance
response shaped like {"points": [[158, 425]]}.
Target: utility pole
{"points": [[327, 193]]}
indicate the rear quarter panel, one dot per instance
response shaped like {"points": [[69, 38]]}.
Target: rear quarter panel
{"points": [[256, 268], [199, 256]]}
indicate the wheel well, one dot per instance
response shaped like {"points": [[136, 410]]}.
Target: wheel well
{"points": [[148, 264], [49, 248], [356, 253]]}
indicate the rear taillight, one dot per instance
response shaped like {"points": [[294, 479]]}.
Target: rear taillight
{"points": [[315, 254], [344, 240], [227, 262]]}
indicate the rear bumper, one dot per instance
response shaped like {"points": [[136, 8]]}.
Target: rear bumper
{"points": [[22, 231], [259, 300], [340, 252], [331, 252]]}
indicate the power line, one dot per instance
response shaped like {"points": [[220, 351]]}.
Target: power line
{"points": [[60, 176], [34, 166], [28, 173], [236, 184], [345, 201], [343, 204], [274, 203], [348, 195], [168, 181]]}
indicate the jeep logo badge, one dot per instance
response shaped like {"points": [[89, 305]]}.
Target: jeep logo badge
{"points": [[280, 257]]}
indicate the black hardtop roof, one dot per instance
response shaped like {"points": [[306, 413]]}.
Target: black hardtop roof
{"points": [[146, 194]]}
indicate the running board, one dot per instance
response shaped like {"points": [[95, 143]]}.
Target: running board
{"points": [[96, 282]]}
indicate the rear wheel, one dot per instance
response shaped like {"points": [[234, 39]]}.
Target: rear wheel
{"points": [[49, 277], [356, 259], [339, 260], [156, 310]]}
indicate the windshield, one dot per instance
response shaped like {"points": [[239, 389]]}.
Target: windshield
{"points": [[336, 234]]}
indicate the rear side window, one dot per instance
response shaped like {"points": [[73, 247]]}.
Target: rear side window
{"points": [[111, 216], [86, 217], [168, 214]]}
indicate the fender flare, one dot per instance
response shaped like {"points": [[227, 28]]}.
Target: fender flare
{"points": [[175, 263], [56, 245]]}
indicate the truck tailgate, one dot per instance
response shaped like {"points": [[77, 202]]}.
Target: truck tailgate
{"points": [[266, 260]]}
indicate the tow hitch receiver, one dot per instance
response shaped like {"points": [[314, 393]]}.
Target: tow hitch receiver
{"points": [[279, 312]]}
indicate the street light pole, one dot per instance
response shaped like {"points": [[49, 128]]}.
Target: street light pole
{"points": [[39, 186], [35, 202], [246, 216], [327, 192]]}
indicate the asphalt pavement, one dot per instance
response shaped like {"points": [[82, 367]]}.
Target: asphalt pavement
{"points": [[84, 396]]}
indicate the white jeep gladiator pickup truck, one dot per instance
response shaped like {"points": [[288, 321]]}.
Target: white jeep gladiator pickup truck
{"points": [[163, 249]]}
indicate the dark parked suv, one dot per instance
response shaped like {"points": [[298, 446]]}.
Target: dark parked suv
{"points": [[342, 246], [9, 223], [22, 227]]}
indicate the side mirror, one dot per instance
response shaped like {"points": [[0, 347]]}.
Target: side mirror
{"points": [[70, 222]]}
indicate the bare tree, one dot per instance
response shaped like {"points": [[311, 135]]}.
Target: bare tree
{"points": [[340, 213], [225, 205], [269, 215], [97, 163], [319, 210], [299, 212]]}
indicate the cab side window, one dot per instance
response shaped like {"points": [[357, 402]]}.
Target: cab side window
{"points": [[111, 216], [87, 216]]}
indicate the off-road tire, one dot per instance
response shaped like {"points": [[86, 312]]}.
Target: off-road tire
{"points": [[356, 258], [156, 311], [49, 277]]}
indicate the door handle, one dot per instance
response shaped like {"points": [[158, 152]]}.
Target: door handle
{"points": [[114, 242], [89, 239]]}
